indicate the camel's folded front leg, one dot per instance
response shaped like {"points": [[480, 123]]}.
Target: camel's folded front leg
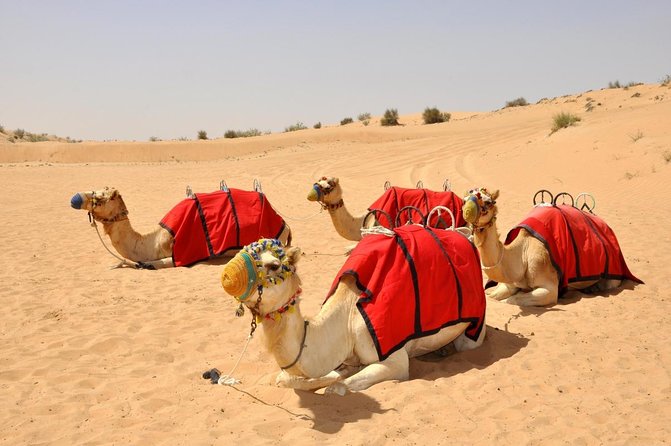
{"points": [[285, 379], [541, 296], [395, 367], [157, 264], [501, 291]]}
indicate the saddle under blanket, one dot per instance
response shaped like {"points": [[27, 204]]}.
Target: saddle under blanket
{"points": [[209, 224], [395, 198], [414, 284], [582, 246]]}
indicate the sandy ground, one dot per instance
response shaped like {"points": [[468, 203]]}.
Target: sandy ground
{"points": [[93, 355]]}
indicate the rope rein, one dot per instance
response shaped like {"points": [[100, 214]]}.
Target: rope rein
{"points": [[121, 259], [487, 268]]}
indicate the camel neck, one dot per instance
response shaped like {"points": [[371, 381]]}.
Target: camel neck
{"points": [[347, 226], [492, 252], [130, 243]]}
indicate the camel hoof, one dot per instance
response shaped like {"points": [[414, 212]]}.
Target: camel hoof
{"points": [[337, 388]]}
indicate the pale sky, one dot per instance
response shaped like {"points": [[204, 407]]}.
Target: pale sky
{"points": [[130, 70]]}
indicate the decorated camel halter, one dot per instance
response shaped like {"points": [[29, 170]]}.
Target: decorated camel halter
{"points": [[245, 274], [323, 191], [478, 203]]}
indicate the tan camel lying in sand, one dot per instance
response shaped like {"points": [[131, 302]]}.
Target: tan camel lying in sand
{"points": [[328, 193], [543, 257], [337, 348], [201, 227]]}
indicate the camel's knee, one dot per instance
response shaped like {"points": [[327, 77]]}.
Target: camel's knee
{"points": [[501, 291], [463, 342]]}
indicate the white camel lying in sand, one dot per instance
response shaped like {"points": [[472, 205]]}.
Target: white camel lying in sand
{"points": [[555, 249], [201, 227], [327, 191], [338, 348]]}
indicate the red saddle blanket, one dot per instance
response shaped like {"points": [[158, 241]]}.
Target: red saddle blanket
{"points": [[582, 246], [208, 225], [415, 283], [395, 198]]}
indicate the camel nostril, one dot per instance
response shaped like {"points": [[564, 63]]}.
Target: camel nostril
{"points": [[76, 201]]}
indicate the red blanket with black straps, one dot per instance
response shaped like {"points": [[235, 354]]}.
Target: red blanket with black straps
{"points": [[209, 224], [582, 246], [415, 283], [395, 198]]}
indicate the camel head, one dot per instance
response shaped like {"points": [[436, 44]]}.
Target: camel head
{"points": [[479, 208], [104, 205], [262, 276], [326, 191]]}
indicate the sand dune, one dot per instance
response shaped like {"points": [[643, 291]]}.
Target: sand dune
{"points": [[92, 355]]}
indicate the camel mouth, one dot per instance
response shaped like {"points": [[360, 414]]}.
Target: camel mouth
{"points": [[314, 193], [239, 276], [470, 210], [77, 201]]}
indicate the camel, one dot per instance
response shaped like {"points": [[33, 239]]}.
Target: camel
{"points": [[528, 274], [328, 193], [199, 228], [337, 349]]}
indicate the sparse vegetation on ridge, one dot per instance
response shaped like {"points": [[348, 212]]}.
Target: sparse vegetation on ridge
{"points": [[292, 128], [563, 120], [519, 102], [364, 117], [435, 116], [346, 121], [666, 80], [317, 125], [390, 117], [242, 134], [202, 134]]}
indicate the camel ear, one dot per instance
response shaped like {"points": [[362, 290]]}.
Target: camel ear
{"points": [[495, 194], [293, 255], [114, 194]]}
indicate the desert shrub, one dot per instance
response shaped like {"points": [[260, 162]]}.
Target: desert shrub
{"points": [[242, 134], [363, 117], [434, 116], [32, 137], [2, 129], [19, 133], [666, 80], [292, 128], [563, 120], [182, 138], [154, 138], [519, 102], [317, 125], [202, 134], [667, 156], [390, 117], [366, 122], [636, 136], [346, 121], [615, 84]]}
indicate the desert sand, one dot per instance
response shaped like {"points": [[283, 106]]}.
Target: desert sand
{"points": [[93, 355]]}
